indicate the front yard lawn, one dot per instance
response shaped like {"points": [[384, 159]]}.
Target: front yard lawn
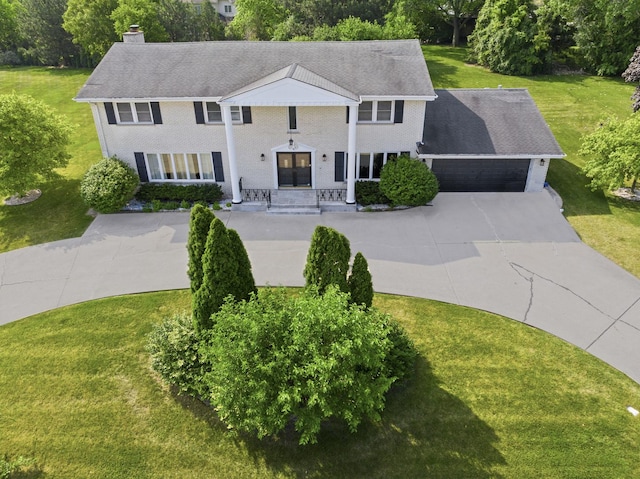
{"points": [[491, 398]]}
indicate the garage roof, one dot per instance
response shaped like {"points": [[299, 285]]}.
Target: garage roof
{"points": [[486, 122]]}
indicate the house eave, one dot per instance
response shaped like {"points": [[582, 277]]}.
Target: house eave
{"points": [[521, 156]]}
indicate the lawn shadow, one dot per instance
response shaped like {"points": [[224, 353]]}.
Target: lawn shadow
{"points": [[570, 183], [425, 432], [442, 73]]}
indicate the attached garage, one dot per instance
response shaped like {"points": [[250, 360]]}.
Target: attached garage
{"points": [[487, 140], [502, 175]]}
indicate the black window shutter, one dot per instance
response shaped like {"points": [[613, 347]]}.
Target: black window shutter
{"points": [[246, 114], [397, 117], [347, 114], [142, 168], [199, 110], [111, 115], [339, 166], [155, 110], [218, 172]]}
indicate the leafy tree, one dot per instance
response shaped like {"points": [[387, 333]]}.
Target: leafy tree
{"points": [[457, 13], [314, 13], [327, 259], [210, 27], [40, 23], [244, 284], [352, 29], [408, 182], [219, 276], [303, 359], [90, 24], [199, 226], [8, 24], [108, 185], [33, 143], [613, 152], [141, 12], [178, 19], [632, 74], [507, 39], [360, 284], [256, 19], [607, 32], [428, 21]]}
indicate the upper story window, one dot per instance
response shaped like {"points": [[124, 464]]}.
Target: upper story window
{"points": [[134, 112], [227, 9], [214, 113], [376, 111], [293, 118]]}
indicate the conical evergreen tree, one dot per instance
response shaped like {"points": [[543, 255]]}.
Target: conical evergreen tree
{"points": [[244, 284], [199, 225], [327, 259], [219, 278], [360, 284]]}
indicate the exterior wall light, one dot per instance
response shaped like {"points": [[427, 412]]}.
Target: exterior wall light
{"points": [[324, 157], [542, 162], [262, 157]]}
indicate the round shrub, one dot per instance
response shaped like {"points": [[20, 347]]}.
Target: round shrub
{"points": [[108, 185], [408, 182], [173, 345]]}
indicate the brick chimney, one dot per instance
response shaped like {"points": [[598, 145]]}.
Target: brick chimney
{"points": [[134, 35]]}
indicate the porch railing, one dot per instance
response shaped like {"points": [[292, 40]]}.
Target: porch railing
{"points": [[254, 195], [328, 194]]}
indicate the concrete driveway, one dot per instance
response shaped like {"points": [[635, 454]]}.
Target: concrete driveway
{"points": [[511, 254]]}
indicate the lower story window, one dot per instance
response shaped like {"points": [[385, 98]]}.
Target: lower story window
{"points": [[370, 164], [180, 166]]}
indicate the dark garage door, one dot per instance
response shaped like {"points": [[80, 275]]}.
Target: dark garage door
{"points": [[481, 175]]}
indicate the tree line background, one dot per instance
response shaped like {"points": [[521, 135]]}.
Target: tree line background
{"points": [[522, 37]]}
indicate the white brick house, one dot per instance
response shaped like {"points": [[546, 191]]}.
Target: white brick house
{"points": [[266, 115]]}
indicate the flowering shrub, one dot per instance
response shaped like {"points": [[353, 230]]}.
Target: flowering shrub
{"points": [[108, 185]]}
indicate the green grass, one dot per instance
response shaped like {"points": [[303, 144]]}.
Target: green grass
{"points": [[60, 212], [572, 105], [491, 398]]}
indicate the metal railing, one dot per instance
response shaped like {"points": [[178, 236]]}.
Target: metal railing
{"points": [[327, 194], [253, 195]]}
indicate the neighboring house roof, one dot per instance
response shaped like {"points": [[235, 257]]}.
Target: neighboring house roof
{"points": [[217, 69], [486, 122]]}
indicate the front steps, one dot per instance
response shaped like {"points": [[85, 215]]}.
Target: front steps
{"points": [[294, 202]]}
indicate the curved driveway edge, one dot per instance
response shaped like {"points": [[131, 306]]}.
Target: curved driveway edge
{"points": [[513, 254]]}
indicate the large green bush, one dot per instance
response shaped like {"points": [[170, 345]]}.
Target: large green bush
{"points": [[173, 345], [303, 359], [368, 193], [360, 283], [108, 185], [408, 182], [199, 225]]}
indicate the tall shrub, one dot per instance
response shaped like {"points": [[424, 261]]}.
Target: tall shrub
{"points": [[244, 284], [408, 182], [360, 283], [219, 276], [327, 259], [199, 225]]}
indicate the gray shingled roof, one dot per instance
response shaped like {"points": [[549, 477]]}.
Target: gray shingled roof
{"points": [[216, 69], [494, 122]]}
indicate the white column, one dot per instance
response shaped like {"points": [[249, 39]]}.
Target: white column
{"points": [[351, 155], [231, 153], [100, 129]]}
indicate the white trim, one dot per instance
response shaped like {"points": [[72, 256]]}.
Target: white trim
{"points": [[424, 156], [218, 98], [351, 155], [95, 110]]}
